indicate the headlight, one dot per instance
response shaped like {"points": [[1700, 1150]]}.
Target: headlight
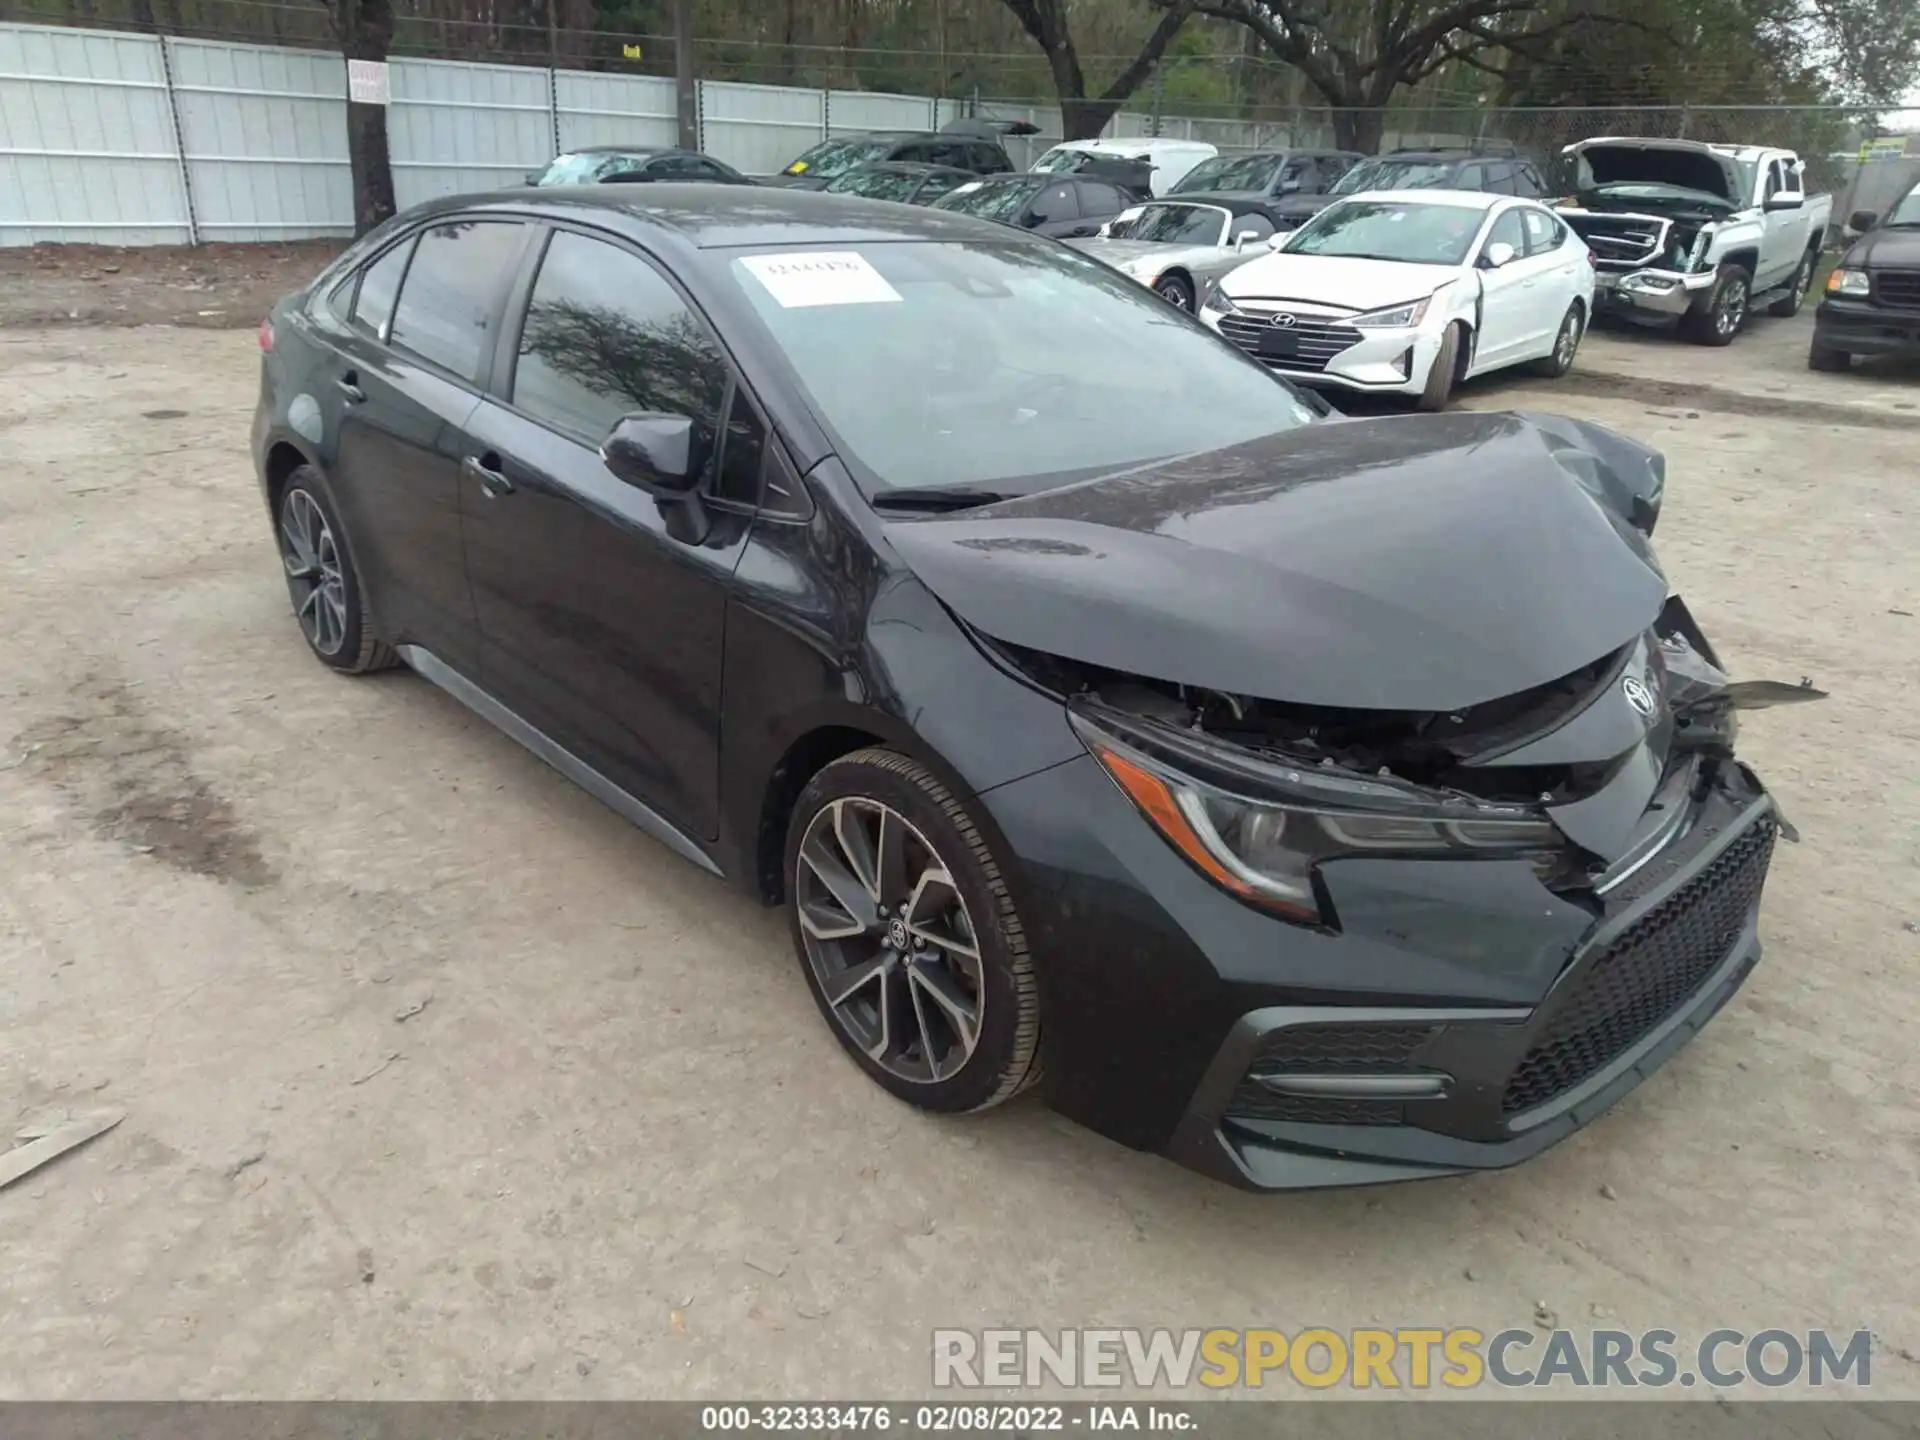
{"points": [[1265, 848], [1398, 317], [1849, 282], [1219, 299]]}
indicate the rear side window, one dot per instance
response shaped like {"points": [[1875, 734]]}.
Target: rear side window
{"points": [[1544, 232], [989, 159], [1500, 179], [605, 336], [1098, 201], [379, 284], [448, 307], [1471, 177], [1529, 183], [1053, 204]]}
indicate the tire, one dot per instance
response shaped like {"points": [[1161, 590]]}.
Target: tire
{"points": [[1176, 290], [1566, 341], [1819, 357], [328, 603], [832, 844], [1446, 369], [1788, 305], [1720, 319]]}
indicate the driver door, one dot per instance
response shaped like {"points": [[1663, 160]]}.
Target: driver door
{"points": [[1056, 211]]}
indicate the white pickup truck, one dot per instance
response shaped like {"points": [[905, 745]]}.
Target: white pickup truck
{"points": [[1695, 233]]}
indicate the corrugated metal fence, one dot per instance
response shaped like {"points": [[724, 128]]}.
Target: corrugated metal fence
{"points": [[123, 139]]}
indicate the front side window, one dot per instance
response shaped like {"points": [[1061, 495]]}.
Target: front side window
{"points": [[379, 285], [1000, 364], [605, 335], [449, 303], [1173, 225], [1413, 232], [1055, 204], [1507, 230]]}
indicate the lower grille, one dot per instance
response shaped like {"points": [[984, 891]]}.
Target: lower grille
{"points": [[1325, 1050], [1649, 972], [1306, 345], [1628, 244], [1899, 289]]}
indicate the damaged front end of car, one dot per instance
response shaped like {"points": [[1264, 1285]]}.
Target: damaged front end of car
{"points": [[1650, 212]]}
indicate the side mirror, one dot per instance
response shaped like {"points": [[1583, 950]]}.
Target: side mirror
{"points": [[1786, 200], [1497, 254], [653, 452], [1863, 220]]}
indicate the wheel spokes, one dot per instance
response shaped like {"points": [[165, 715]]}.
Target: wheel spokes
{"points": [[959, 1012], [830, 864], [932, 911], [851, 981]]}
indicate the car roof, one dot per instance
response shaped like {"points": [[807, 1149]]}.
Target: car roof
{"points": [[627, 150], [708, 217], [1459, 199]]}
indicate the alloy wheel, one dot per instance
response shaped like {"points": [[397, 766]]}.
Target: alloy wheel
{"points": [[889, 940], [1732, 306], [1563, 348], [1175, 295], [314, 575]]}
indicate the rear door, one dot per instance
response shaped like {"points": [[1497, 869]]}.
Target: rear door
{"points": [[1099, 203], [1508, 296], [1785, 232], [1056, 211], [408, 373], [1561, 271], [602, 609]]}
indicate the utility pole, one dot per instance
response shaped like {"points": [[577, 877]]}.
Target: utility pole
{"points": [[683, 82]]}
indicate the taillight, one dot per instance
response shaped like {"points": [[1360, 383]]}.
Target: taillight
{"points": [[266, 335]]}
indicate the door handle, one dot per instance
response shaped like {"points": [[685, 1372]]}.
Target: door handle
{"points": [[349, 386], [486, 469]]}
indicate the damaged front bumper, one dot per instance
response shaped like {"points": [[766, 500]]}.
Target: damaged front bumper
{"points": [[1652, 292]]}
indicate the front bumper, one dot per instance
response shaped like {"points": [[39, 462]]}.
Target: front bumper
{"points": [[1652, 293], [1858, 328], [1334, 354], [1463, 1018]]}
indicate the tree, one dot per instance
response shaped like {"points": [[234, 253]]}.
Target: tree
{"points": [[1357, 55], [364, 29], [1082, 118]]}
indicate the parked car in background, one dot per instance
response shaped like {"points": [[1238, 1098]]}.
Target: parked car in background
{"points": [[900, 180], [1267, 174], [1062, 206], [1872, 304], [1318, 804], [1695, 234], [1169, 161], [634, 164], [972, 145], [1493, 170], [1410, 292], [1178, 249]]}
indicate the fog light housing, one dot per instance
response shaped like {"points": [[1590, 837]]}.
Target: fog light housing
{"points": [[1404, 363]]}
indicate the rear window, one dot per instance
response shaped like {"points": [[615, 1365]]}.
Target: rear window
{"points": [[449, 307]]}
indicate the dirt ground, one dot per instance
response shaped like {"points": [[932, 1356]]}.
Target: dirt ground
{"points": [[441, 1081]]}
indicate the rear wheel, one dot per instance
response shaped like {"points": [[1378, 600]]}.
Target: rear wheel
{"points": [[908, 935], [1820, 357], [1446, 369], [1176, 290], [1788, 305], [1559, 360], [1720, 319], [325, 589]]}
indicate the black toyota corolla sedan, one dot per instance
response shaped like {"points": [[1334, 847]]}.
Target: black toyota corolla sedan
{"points": [[1315, 801]]}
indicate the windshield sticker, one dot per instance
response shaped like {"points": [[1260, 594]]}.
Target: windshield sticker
{"points": [[824, 277]]}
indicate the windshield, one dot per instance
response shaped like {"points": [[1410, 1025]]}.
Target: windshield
{"points": [[1230, 172], [1907, 212], [1061, 161], [1395, 175], [1412, 232], [876, 184], [991, 199], [1172, 225], [587, 168], [835, 157], [990, 364]]}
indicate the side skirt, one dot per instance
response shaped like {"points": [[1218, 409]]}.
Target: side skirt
{"points": [[431, 667]]}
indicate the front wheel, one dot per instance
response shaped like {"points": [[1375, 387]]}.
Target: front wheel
{"points": [[1176, 291], [908, 935], [1788, 305], [1446, 368], [1720, 319]]}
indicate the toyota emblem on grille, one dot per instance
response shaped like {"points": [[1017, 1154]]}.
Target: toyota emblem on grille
{"points": [[1285, 319], [1638, 695]]}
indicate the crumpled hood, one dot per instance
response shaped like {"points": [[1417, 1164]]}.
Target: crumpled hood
{"points": [[1656, 162], [1408, 563]]}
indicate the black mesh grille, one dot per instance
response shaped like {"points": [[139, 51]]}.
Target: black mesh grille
{"points": [[1645, 975], [1324, 1050], [1898, 288], [1305, 346], [1623, 244]]}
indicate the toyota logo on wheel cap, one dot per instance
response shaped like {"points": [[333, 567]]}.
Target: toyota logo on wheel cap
{"points": [[1285, 319], [1638, 695]]}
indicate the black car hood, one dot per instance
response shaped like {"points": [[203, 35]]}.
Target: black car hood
{"points": [[1899, 246], [1410, 563]]}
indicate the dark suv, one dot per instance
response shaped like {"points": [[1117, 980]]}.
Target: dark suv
{"points": [[1495, 172], [972, 145], [1268, 174], [1872, 305]]}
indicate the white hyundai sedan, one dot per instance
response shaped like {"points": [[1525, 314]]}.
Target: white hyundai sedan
{"points": [[1411, 292]]}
